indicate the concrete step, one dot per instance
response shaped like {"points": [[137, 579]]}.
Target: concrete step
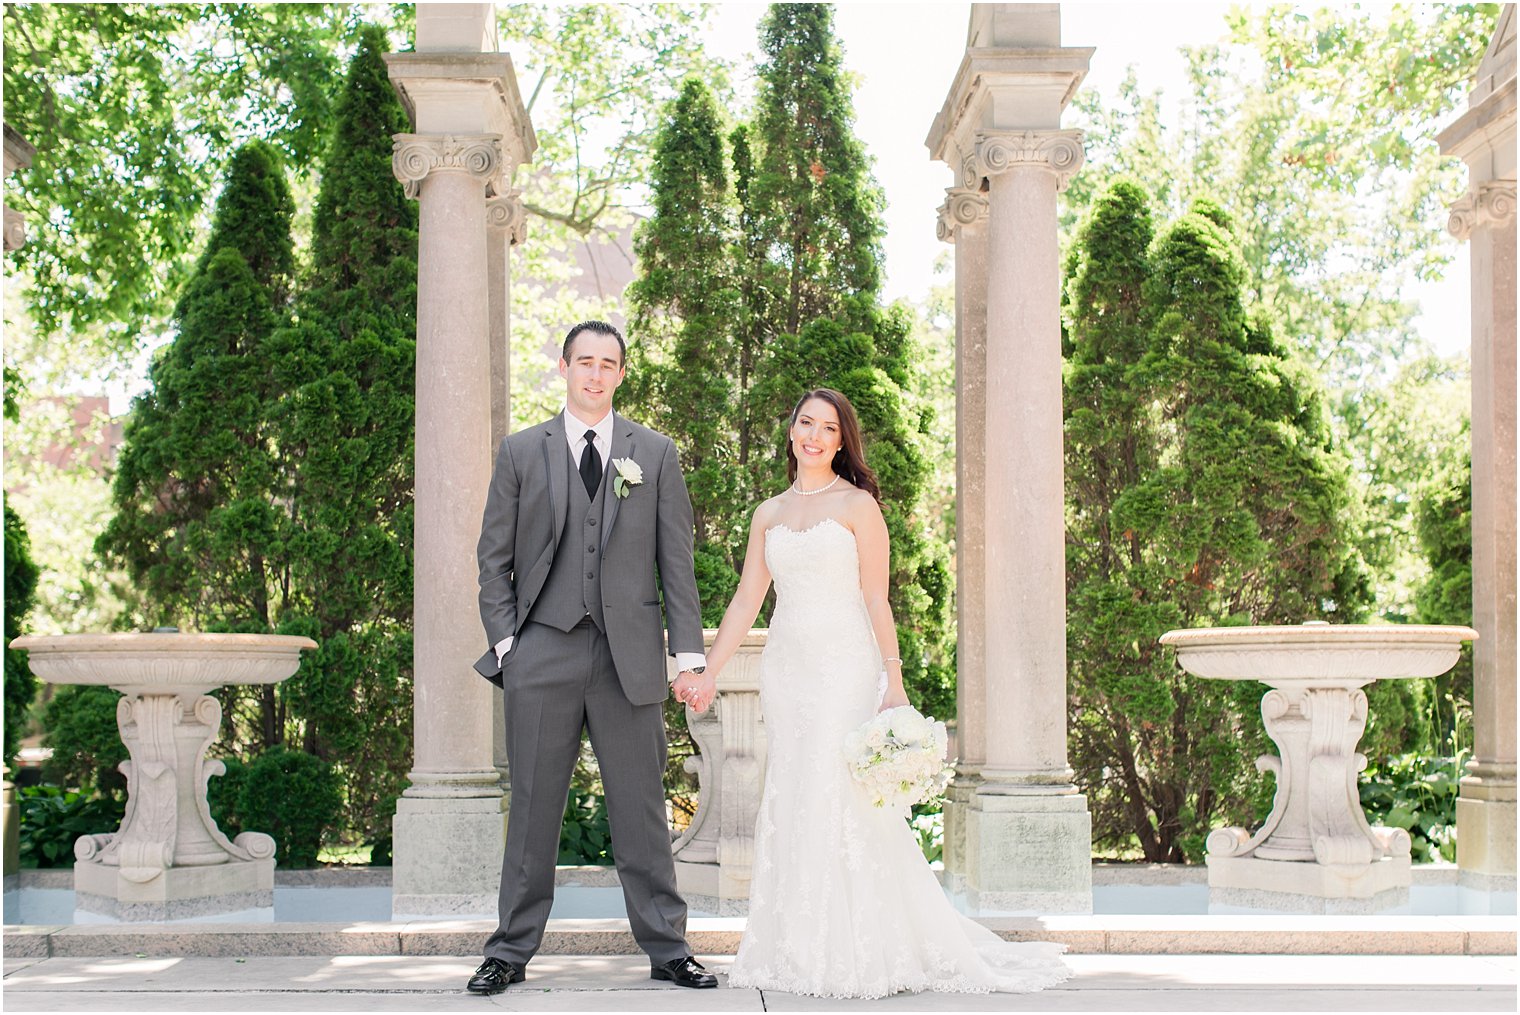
{"points": [[1083, 935]]}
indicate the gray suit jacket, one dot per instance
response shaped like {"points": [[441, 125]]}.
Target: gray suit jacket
{"points": [[524, 522]]}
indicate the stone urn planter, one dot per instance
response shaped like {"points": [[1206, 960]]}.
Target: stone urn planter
{"points": [[1316, 850], [715, 855], [168, 860]]}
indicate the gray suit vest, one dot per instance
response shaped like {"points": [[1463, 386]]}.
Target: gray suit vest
{"points": [[574, 586]]}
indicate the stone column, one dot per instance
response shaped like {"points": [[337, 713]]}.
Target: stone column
{"points": [[1025, 828], [1484, 138], [963, 222], [507, 221], [471, 133]]}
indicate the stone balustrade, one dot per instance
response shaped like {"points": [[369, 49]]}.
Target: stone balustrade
{"points": [[714, 856]]}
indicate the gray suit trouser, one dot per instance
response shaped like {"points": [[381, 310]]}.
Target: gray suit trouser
{"points": [[554, 685]]}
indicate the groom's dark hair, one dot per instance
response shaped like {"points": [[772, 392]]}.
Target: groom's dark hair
{"points": [[600, 326]]}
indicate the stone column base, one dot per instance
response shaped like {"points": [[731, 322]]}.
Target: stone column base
{"points": [[1485, 894], [243, 887], [957, 804], [1027, 852], [1303, 886], [447, 855], [1486, 821]]}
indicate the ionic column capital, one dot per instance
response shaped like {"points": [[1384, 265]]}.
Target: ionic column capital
{"points": [[415, 156], [1491, 203], [963, 207], [1057, 151], [508, 212]]}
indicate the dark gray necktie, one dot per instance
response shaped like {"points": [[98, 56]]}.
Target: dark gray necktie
{"points": [[591, 465]]}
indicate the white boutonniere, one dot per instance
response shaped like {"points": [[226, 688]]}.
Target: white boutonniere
{"points": [[628, 475]]}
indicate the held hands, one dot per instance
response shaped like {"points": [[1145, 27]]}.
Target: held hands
{"points": [[696, 690]]}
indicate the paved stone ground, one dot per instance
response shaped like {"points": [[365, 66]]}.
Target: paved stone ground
{"points": [[1127, 983]]}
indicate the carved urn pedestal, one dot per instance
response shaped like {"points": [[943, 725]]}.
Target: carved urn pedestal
{"points": [[168, 860], [1315, 852], [715, 855]]}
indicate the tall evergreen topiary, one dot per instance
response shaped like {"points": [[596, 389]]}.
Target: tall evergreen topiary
{"points": [[266, 482], [196, 490], [345, 432], [682, 366], [1202, 490], [1443, 525], [811, 195], [810, 254], [20, 593], [758, 286]]}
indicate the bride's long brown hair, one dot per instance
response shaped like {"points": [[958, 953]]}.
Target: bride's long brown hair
{"points": [[850, 459]]}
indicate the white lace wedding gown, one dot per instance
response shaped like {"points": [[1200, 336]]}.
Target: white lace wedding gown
{"points": [[843, 903]]}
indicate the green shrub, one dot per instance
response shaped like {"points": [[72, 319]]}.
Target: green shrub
{"points": [[1418, 794], [222, 794], [585, 837], [928, 823], [53, 817], [293, 797], [80, 725], [20, 592]]}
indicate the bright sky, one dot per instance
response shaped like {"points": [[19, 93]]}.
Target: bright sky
{"points": [[906, 55]]}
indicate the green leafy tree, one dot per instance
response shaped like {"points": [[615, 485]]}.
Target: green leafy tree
{"points": [[810, 247], [196, 487], [136, 110], [683, 303], [1408, 428], [756, 287], [293, 797], [596, 80], [1203, 490], [811, 195], [200, 522], [266, 482], [20, 591], [1316, 130], [1443, 522], [81, 730], [343, 427]]}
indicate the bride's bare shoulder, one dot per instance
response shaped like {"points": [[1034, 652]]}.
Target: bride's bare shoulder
{"points": [[860, 508], [766, 513]]}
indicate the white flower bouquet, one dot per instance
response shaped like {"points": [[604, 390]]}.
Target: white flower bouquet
{"points": [[899, 757]]}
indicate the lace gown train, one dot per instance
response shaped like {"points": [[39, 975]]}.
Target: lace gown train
{"points": [[843, 903]]}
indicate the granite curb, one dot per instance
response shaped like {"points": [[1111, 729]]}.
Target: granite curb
{"points": [[1083, 935]]}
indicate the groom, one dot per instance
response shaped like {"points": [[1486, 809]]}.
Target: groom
{"points": [[582, 510]]}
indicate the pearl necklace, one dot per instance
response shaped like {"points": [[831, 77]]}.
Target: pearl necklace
{"points": [[799, 491]]}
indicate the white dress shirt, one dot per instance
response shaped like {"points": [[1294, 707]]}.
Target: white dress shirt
{"points": [[575, 437]]}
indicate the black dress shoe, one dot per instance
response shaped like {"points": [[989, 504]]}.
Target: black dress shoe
{"points": [[683, 972], [494, 976]]}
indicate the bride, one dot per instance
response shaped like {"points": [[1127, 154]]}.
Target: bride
{"points": [[842, 903]]}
